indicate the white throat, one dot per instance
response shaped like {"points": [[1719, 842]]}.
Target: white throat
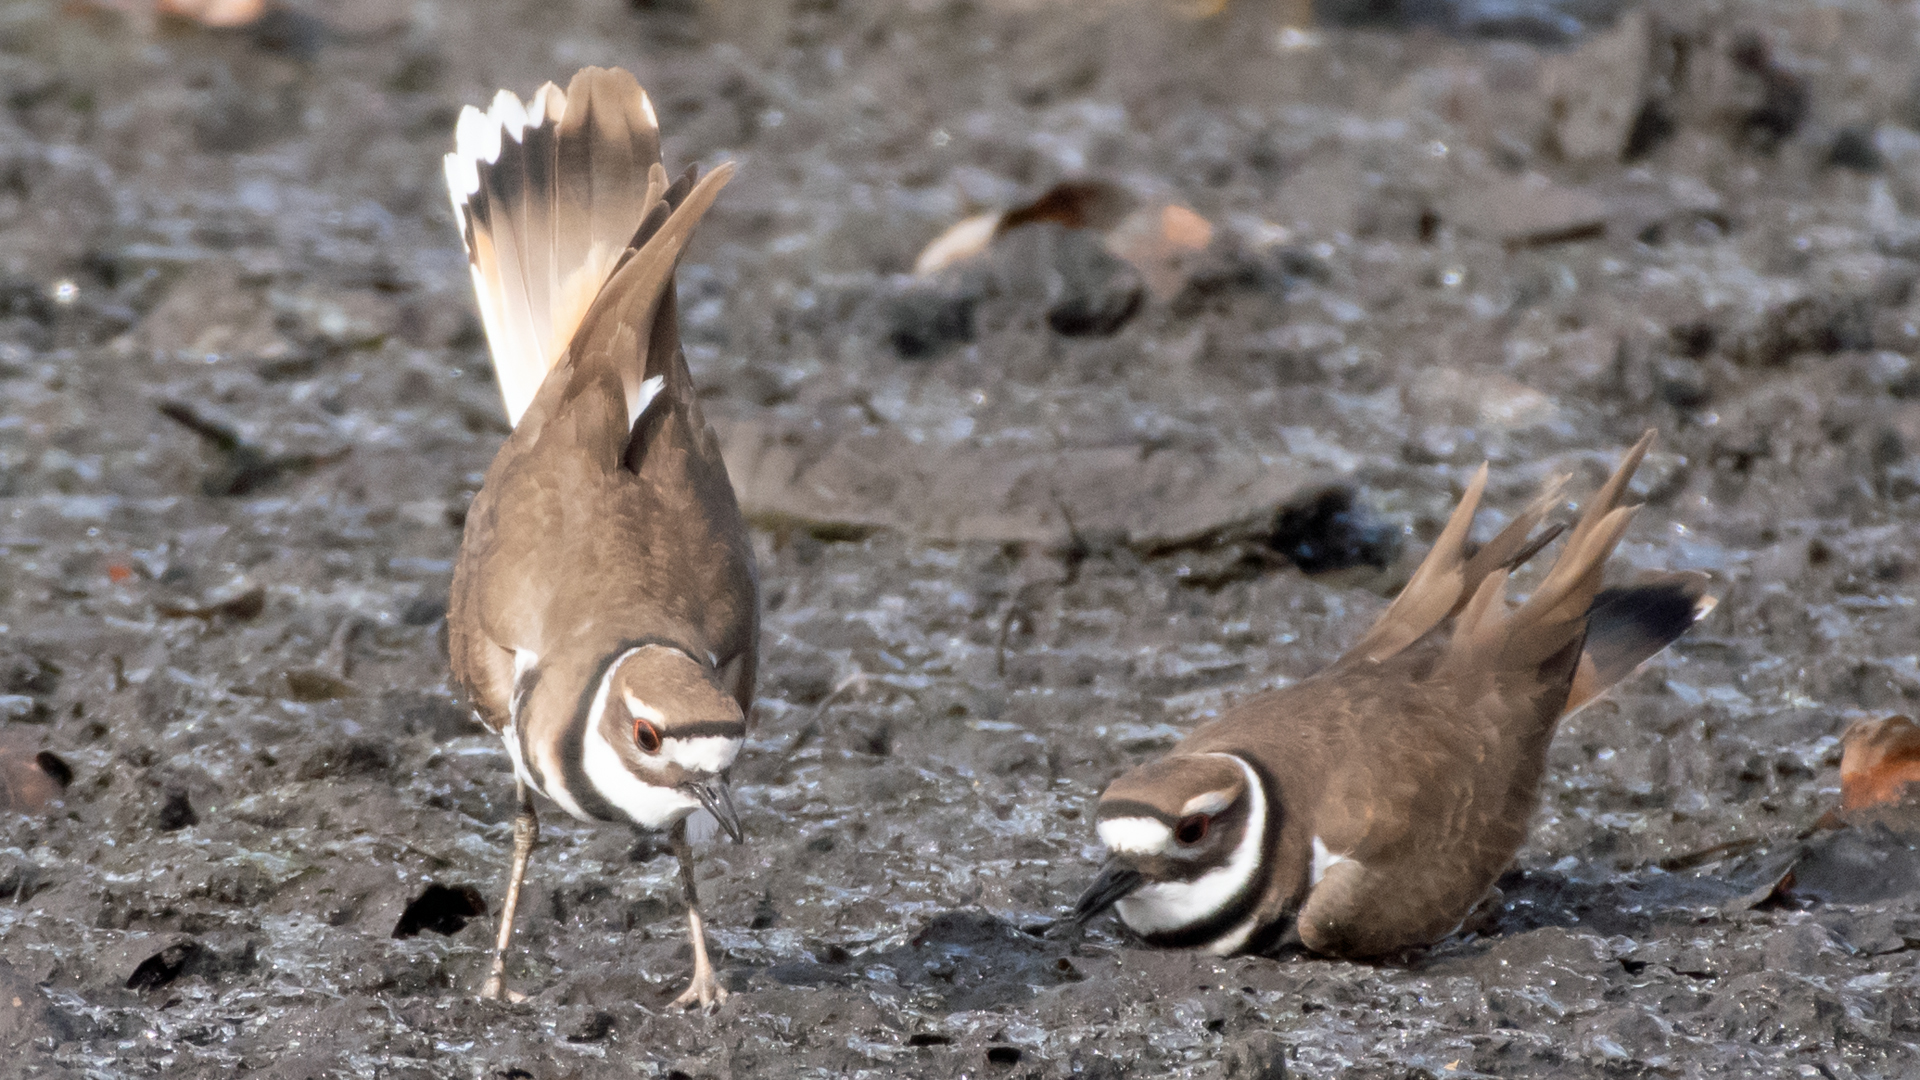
{"points": [[1172, 905]]}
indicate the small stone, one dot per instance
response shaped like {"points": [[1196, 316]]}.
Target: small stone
{"points": [[1854, 149], [1333, 530], [1259, 1055]]}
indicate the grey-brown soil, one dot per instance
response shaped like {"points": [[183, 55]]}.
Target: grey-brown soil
{"points": [[1024, 523]]}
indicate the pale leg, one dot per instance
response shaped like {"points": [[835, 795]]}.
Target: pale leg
{"points": [[526, 832], [705, 990]]}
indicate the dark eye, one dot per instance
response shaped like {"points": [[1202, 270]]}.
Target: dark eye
{"points": [[645, 735], [1192, 830]]}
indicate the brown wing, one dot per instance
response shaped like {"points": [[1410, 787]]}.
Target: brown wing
{"points": [[610, 495]]}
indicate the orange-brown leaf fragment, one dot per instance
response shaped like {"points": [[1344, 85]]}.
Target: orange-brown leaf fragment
{"points": [[1880, 762], [218, 13]]}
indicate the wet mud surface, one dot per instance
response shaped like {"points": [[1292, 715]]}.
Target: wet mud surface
{"points": [[243, 403]]}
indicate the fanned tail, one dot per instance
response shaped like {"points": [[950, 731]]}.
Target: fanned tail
{"points": [[1614, 630], [549, 194]]}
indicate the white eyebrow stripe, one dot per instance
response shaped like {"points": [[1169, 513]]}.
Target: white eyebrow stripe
{"points": [[636, 707], [1324, 860], [1135, 835], [1210, 803]]}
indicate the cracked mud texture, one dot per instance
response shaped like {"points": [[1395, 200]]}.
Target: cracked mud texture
{"points": [[243, 402]]}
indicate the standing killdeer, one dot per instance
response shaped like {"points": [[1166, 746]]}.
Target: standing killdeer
{"points": [[604, 618], [1368, 808]]}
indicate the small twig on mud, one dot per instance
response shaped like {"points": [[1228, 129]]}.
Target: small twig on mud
{"points": [[336, 658], [1078, 549], [245, 468], [855, 680], [1711, 854]]}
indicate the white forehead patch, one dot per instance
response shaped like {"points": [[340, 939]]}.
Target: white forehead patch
{"points": [[710, 754], [1135, 835], [1210, 803]]}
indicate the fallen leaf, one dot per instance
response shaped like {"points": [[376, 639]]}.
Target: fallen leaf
{"points": [[1880, 762], [967, 240], [1153, 235], [1158, 244], [219, 13]]}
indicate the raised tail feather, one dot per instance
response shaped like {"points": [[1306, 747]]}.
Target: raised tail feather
{"points": [[549, 194], [1622, 627]]}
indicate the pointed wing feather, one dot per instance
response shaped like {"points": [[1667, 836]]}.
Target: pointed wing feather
{"points": [[1496, 638], [629, 315], [1434, 589]]}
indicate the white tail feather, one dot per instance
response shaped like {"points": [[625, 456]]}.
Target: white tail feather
{"points": [[573, 174]]}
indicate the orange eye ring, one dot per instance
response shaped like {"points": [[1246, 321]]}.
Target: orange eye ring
{"points": [[1192, 829], [645, 735]]}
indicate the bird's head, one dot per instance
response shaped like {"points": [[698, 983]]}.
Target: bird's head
{"points": [[1187, 837], [661, 734]]}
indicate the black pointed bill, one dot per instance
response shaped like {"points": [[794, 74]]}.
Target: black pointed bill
{"points": [[1116, 882], [715, 795]]}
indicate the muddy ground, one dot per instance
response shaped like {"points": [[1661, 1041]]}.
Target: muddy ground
{"points": [[243, 403]]}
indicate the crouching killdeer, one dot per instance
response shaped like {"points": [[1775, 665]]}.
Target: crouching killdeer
{"points": [[1368, 808], [604, 618]]}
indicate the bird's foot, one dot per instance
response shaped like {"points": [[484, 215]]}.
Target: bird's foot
{"points": [[705, 991]]}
